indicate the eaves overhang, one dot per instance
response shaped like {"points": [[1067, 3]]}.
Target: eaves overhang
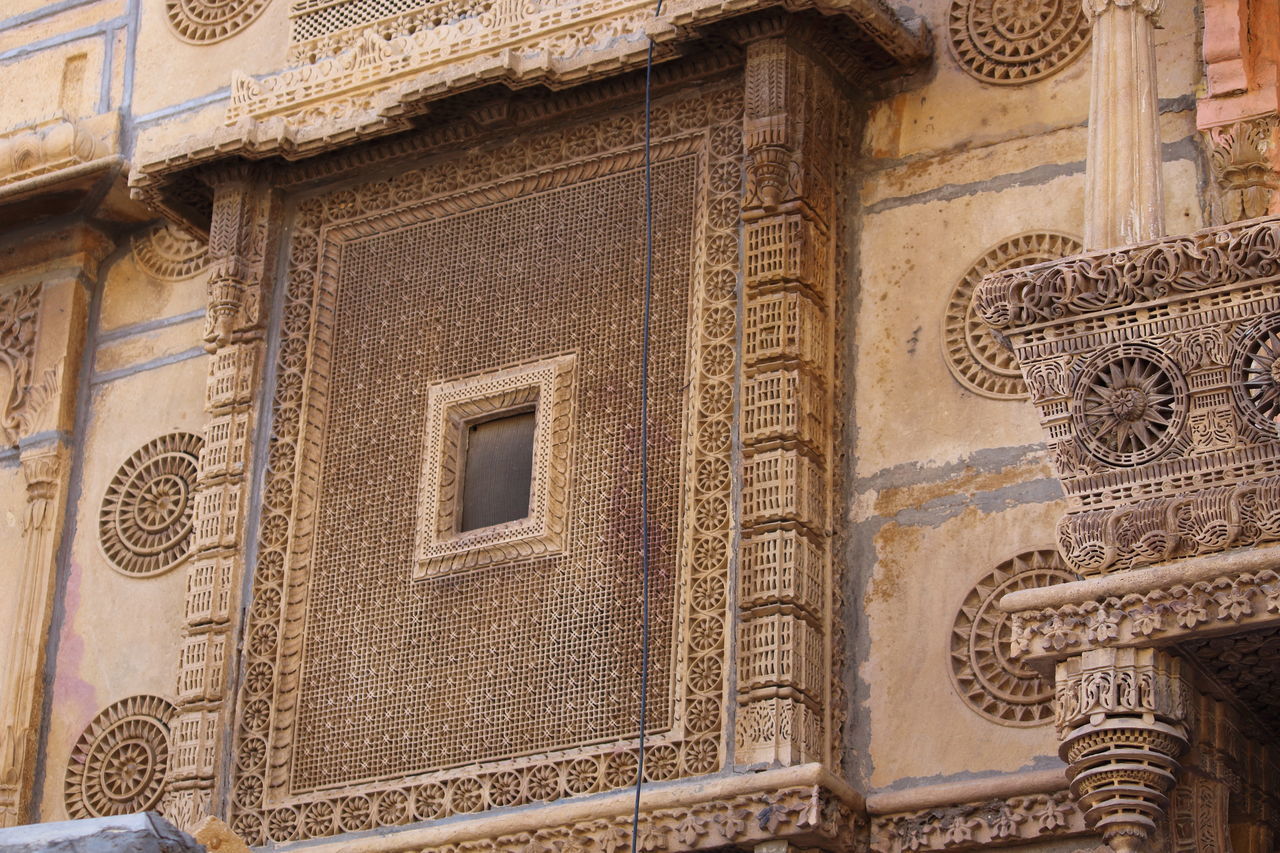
{"points": [[378, 85]]}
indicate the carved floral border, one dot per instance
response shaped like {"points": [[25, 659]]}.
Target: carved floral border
{"points": [[706, 125]]}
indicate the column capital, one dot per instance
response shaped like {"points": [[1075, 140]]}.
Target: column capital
{"points": [[1150, 8]]}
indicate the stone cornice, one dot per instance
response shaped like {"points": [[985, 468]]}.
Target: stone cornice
{"points": [[805, 803], [997, 821], [378, 86]]}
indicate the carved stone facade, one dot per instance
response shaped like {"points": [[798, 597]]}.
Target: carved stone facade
{"points": [[279, 281]]}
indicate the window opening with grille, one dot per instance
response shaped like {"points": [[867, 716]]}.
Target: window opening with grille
{"points": [[497, 471]]}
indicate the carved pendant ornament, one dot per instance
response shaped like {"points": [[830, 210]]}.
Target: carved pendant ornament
{"points": [[975, 357], [209, 21], [118, 765], [144, 523], [992, 683], [1008, 42]]}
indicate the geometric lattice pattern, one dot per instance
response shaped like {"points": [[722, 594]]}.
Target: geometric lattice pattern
{"points": [[318, 26], [411, 677], [520, 675]]}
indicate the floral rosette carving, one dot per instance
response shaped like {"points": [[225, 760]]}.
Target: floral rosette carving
{"points": [[118, 765], [1008, 42]]}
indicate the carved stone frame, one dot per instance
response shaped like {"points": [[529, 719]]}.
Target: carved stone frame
{"points": [[703, 125], [545, 388]]}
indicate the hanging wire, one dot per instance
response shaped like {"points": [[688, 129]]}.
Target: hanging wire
{"points": [[644, 432]]}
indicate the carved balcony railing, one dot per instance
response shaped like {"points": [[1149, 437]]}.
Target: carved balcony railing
{"points": [[1156, 372]]}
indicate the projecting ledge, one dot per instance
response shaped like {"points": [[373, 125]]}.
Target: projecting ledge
{"points": [[806, 804], [1195, 597]]}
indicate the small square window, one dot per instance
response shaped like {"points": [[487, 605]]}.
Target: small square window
{"points": [[495, 469], [498, 471]]}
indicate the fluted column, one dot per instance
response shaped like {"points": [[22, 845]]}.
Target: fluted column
{"points": [[1124, 193], [1123, 721]]}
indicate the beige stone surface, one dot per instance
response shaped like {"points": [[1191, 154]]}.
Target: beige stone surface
{"points": [[34, 84], [130, 296], [171, 72], [119, 635], [13, 504], [922, 573], [921, 415]]}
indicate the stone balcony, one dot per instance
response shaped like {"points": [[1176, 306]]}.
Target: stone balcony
{"points": [[1156, 372]]}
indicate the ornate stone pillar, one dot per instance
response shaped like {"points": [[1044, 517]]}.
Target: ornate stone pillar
{"points": [[1124, 193], [785, 594], [239, 234], [1123, 717], [44, 469], [42, 326]]}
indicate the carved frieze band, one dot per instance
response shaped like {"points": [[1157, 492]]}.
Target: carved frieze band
{"points": [[979, 825], [1166, 613], [1097, 281]]}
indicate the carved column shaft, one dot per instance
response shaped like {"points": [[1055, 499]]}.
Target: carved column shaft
{"points": [[239, 245], [785, 597], [1123, 720], [1124, 193]]}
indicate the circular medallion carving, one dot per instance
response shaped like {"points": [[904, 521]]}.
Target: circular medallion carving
{"points": [[118, 764], [209, 21], [975, 357], [145, 521], [169, 253], [1016, 41], [1128, 405], [1256, 372], [997, 687]]}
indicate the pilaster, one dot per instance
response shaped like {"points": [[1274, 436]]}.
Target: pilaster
{"points": [[243, 212], [1124, 191], [785, 593]]}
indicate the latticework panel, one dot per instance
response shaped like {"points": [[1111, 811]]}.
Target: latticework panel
{"points": [[364, 685]]}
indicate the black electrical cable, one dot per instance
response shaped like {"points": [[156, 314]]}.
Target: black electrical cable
{"points": [[644, 432]]}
